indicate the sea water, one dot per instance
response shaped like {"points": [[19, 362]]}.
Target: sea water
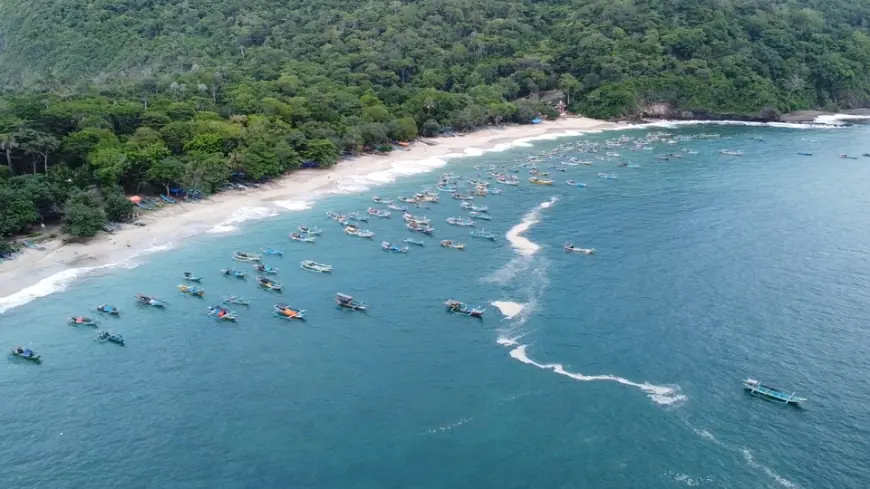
{"points": [[620, 369]]}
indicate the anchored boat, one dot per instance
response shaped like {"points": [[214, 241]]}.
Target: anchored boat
{"points": [[573, 249], [377, 212], [26, 353], [272, 252], [245, 256], [356, 216], [110, 337], [301, 238], [313, 266], [347, 302], [483, 234], [758, 389], [414, 242], [480, 215], [310, 231], [378, 200], [538, 181], [191, 278], [107, 309], [233, 273], [575, 184], [222, 313], [447, 243], [269, 284], [265, 269], [420, 228], [191, 290], [144, 300], [608, 176], [389, 247], [458, 307], [239, 301], [284, 311], [458, 221], [81, 321]]}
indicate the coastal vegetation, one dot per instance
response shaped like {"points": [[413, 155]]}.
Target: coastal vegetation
{"points": [[115, 97]]}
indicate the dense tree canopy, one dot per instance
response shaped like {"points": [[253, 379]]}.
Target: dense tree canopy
{"points": [[148, 95]]}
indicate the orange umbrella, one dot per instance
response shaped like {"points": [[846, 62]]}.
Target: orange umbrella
{"points": [[135, 199]]}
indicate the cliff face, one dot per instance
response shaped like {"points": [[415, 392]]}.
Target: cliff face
{"points": [[661, 110]]}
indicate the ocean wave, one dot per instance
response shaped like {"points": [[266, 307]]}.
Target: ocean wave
{"points": [[690, 481], [510, 310], [243, 214], [839, 119], [293, 205], [747, 455], [515, 237], [662, 395], [674, 124], [449, 426]]}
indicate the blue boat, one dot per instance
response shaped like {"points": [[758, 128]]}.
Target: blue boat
{"points": [[413, 242], [191, 278], [386, 246], [111, 337], [575, 184], [239, 301], [758, 389], [347, 302], [483, 234], [608, 176], [804, 153], [233, 273], [144, 300], [26, 353], [266, 269], [273, 252], [107, 309], [458, 307], [168, 199]]}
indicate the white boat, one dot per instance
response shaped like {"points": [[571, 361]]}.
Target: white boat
{"points": [[378, 200], [609, 176], [313, 266], [479, 215], [314, 231], [377, 212], [458, 221], [302, 238], [414, 242], [245, 256], [386, 246], [572, 249]]}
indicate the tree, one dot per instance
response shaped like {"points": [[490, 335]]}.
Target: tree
{"points": [[322, 151], [108, 164], [569, 85], [83, 215], [431, 128], [166, 171], [404, 129], [17, 213], [118, 206]]}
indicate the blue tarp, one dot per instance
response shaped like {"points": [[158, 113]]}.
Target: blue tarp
{"points": [[536, 121]]}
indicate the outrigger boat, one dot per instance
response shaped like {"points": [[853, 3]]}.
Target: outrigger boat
{"points": [[269, 284], [420, 228], [447, 243], [756, 388], [335, 216], [245, 256], [107, 309], [458, 221], [538, 181], [233, 273], [483, 234], [313, 266], [81, 321], [572, 249], [26, 353], [356, 216], [389, 247], [111, 337], [575, 184], [144, 300], [397, 208], [239, 301], [222, 313], [417, 220], [190, 278], [191, 290], [608, 176], [730, 153], [459, 196], [284, 311], [301, 238], [347, 302], [847, 157], [446, 188], [361, 233], [377, 212], [511, 180], [414, 242], [315, 231], [378, 200], [272, 252], [480, 215], [265, 269], [458, 307]]}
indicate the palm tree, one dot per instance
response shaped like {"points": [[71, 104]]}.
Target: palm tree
{"points": [[429, 104]]}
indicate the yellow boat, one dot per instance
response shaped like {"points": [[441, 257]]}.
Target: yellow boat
{"points": [[191, 290], [538, 181]]}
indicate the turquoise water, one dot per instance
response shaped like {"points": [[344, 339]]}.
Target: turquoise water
{"points": [[622, 370]]}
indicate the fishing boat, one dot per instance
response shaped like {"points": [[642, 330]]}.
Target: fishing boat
{"points": [[538, 181], [107, 309], [145, 300], [458, 221], [335, 216], [416, 220], [609, 176], [191, 278], [390, 247], [310, 231], [222, 313], [847, 157], [289, 313], [508, 180], [347, 302], [728, 152], [420, 228], [191, 290], [110, 337], [313, 266], [479, 215], [804, 153], [233, 273], [446, 188], [245, 256], [460, 196], [239, 301], [272, 252], [378, 212], [575, 184], [356, 216], [301, 238], [26, 353], [265, 269], [414, 242], [427, 197], [397, 208], [496, 191], [378, 200], [269, 284], [458, 307], [481, 208], [448, 243], [482, 234], [408, 200], [573, 249], [756, 388], [81, 321]]}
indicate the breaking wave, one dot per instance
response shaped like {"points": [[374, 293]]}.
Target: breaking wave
{"points": [[244, 214]]}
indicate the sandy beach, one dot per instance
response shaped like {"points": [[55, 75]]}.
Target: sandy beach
{"points": [[23, 278]]}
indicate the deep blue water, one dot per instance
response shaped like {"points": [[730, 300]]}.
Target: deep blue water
{"points": [[709, 269]]}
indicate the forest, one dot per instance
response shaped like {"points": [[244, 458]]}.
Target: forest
{"points": [[111, 97]]}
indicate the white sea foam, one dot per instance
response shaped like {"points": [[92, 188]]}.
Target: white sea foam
{"points": [[243, 214], [747, 455], [691, 481], [515, 237], [508, 341], [663, 395], [674, 124], [293, 205], [449, 426], [510, 310], [839, 119]]}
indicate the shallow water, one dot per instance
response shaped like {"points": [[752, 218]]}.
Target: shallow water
{"points": [[620, 369]]}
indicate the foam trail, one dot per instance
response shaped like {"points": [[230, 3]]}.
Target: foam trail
{"points": [[787, 125], [243, 214], [509, 309], [515, 237], [839, 119], [659, 394], [293, 205], [747, 455]]}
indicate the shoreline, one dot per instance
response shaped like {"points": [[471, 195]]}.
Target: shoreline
{"points": [[37, 273]]}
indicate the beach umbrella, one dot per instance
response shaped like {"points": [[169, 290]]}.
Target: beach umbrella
{"points": [[135, 199]]}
